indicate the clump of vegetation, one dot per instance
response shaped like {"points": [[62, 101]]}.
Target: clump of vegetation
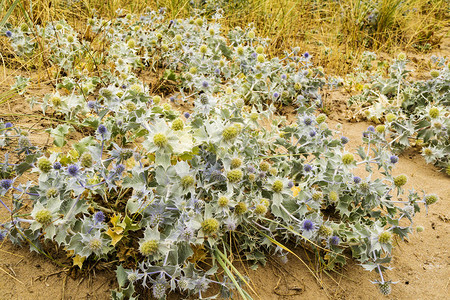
{"points": [[414, 113], [167, 194]]}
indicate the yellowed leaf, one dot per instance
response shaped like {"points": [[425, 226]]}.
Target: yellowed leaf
{"points": [[116, 236], [295, 190], [78, 261]]}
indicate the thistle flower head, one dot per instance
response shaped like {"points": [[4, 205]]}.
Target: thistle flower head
{"points": [[159, 290], [321, 118], [264, 166], [120, 168], [160, 140], [235, 175], [380, 129], [51, 193], [335, 240], [187, 181], [277, 186], [210, 225], [307, 168], [6, 183], [325, 231], [347, 158], [86, 160], [400, 180], [240, 208], [434, 73], [431, 199], [73, 170], [385, 237], [307, 225], [390, 117], [102, 129], [57, 165], [236, 163], [99, 217], [307, 121], [8, 125], [230, 132], [91, 104], [43, 216], [356, 179], [385, 288], [344, 140], [95, 244], [149, 247], [393, 159], [44, 165], [260, 209], [333, 196], [223, 201], [434, 112]]}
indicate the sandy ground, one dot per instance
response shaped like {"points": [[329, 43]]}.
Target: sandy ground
{"points": [[421, 265]]}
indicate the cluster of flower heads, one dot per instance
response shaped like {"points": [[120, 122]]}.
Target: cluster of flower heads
{"points": [[413, 112], [174, 190], [192, 52]]}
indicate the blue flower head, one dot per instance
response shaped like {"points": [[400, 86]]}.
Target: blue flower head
{"points": [[371, 128], [276, 95], [73, 170], [344, 140], [308, 225], [356, 179], [290, 184], [57, 165], [335, 240], [187, 115], [91, 104], [8, 33], [312, 133], [99, 217], [102, 129], [306, 54], [307, 168], [205, 84], [284, 76], [394, 159], [120, 168], [307, 121], [254, 55], [6, 183], [8, 125]]}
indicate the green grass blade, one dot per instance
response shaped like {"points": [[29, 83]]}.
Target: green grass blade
{"points": [[8, 13], [244, 294], [225, 259]]}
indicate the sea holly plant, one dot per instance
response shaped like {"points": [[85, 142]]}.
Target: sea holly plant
{"points": [[413, 112], [171, 197]]}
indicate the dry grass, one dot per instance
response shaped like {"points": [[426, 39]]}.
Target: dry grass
{"points": [[335, 32]]}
